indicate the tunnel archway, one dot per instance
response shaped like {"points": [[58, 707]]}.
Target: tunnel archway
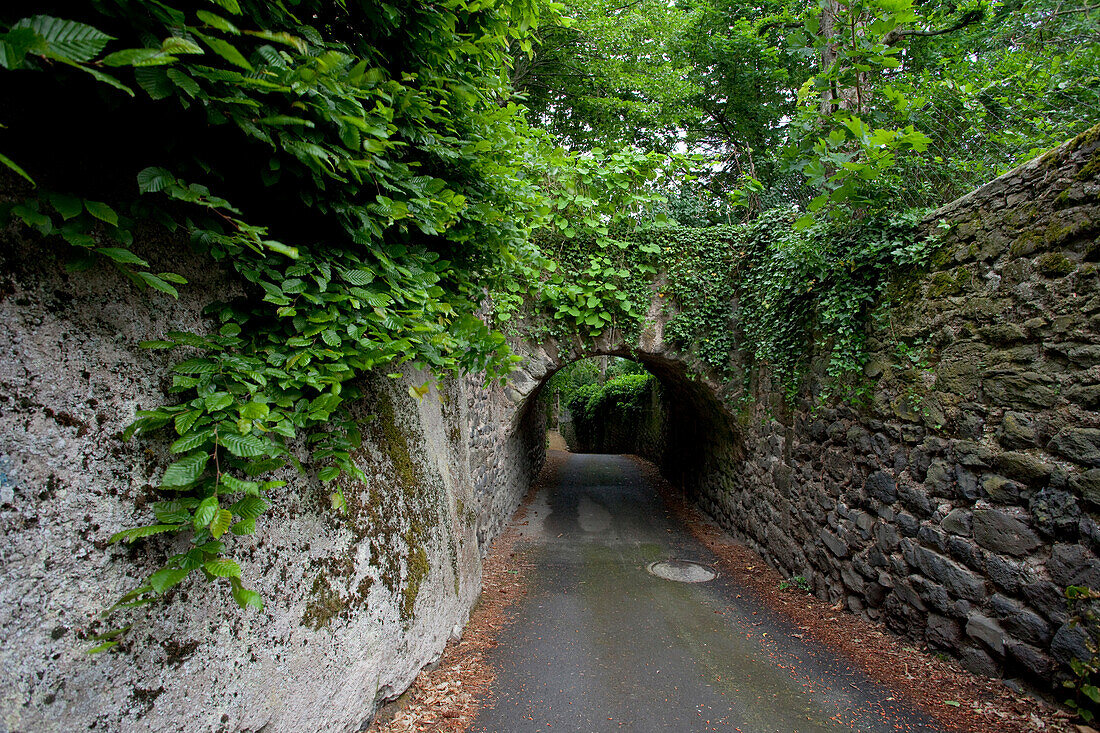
{"points": [[701, 429]]}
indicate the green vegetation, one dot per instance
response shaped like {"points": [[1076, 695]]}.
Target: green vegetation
{"points": [[369, 175], [619, 400], [796, 582], [1084, 613]]}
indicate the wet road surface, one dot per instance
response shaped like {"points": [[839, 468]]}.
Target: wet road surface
{"points": [[600, 644]]}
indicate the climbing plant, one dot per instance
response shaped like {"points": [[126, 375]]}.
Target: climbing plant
{"points": [[357, 165]]}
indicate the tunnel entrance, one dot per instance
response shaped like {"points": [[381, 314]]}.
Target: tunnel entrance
{"points": [[623, 400]]}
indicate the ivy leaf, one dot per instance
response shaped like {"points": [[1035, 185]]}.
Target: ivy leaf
{"points": [[186, 471]]}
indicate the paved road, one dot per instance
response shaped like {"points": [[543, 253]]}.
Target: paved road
{"points": [[599, 644]]}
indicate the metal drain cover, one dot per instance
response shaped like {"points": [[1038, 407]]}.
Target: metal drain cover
{"points": [[681, 571]]}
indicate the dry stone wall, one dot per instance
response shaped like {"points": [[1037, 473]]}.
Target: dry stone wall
{"points": [[355, 605], [960, 504]]}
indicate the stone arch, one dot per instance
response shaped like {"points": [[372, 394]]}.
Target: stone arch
{"points": [[701, 428]]}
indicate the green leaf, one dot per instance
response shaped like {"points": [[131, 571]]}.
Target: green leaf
{"points": [[164, 579], [216, 21], [254, 411], [178, 45], [250, 507], [187, 470], [122, 256], [223, 568], [243, 446], [69, 207], [9, 163], [328, 473], [130, 535], [65, 39], [218, 401], [244, 527], [191, 442], [103, 647], [152, 180], [102, 211], [232, 483], [247, 598], [227, 51], [138, 57], [199, 366], [205, 512], [221, 522], [158, 283]]}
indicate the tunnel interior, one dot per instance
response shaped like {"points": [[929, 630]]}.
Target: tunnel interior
{"points": [[640, 404]]}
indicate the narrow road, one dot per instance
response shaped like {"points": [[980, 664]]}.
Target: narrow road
{"points": [[600, 644]]}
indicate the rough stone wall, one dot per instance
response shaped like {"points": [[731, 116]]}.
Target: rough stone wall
{"points": [[355, 605], [960, 504], [957, 506]]}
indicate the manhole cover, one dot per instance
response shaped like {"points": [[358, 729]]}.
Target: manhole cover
{"points": [[681, 571]]}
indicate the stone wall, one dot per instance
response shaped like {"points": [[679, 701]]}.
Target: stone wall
{"points": [[355, 605], [958, 506]]}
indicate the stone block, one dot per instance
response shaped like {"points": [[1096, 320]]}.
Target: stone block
{"points": [[939, 478], [957, 579], [1055, 513], [1033, 661], [1087, 485], [978, 661], [1020, 389], [836, 545], [1009, 574], [1019, 621], [1081, 445], [957, 522], [1003, 490], [1071, 642], [1000, 532], [1086, 395], [1023, 467], [1072, 564], [1017, 430], [987, 631], [942, 632], [881, 486]]}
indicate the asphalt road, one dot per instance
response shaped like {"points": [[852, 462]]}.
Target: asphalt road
{"points": [[600, 644]]}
